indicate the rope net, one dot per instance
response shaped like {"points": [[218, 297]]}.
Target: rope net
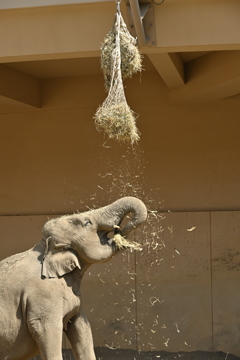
{"points": [[120, 59], [131, 59]]}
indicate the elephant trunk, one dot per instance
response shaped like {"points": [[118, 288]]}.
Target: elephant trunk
{"points": [[113, 214]]}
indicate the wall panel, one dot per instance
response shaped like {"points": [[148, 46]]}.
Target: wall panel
{"points": [[19, 233], [225, 235], [174, 284]]}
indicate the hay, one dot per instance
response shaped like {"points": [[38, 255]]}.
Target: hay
{"points": [[131, 59], [121, 243], [120, 59], [118, 122]]}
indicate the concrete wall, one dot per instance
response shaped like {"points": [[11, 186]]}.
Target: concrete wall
{"points": [[182, 291], [53, 158]]}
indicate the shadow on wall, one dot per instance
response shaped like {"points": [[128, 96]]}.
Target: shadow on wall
{"points": [[120, 354]]}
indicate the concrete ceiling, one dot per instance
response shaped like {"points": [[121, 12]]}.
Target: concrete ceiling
{"points": [[44, 69], [66, 67], [194, 46]]}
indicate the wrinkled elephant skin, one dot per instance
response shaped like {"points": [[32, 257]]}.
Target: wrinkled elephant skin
{"points": [[40, 288]]}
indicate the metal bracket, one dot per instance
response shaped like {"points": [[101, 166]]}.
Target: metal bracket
{"points": [[141, 22]]}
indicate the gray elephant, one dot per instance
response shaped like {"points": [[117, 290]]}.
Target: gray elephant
{"points": [[40, 288]]}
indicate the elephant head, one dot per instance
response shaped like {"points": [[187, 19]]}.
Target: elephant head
{"points": [[82, 239]]}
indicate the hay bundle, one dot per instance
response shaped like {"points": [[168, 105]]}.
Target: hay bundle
{"points": [[118, 121], [118, 60], [131, 59], [121, 243]]}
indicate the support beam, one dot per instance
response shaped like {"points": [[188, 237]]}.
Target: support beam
{"points": [[214, 76], [77, 30], [17, 4], [170, 67], [18, 89], [137, 19], [54, 32], [197, 25]]}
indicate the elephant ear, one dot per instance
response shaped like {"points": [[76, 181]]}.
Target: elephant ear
{"points": [[58, 260]]}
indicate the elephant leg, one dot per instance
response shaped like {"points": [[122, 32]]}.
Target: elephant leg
{"points": [[80, 336], [46, 327]]}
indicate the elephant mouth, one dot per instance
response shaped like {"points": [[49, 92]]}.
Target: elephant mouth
{"points": [[107, 237], [117, 242]]}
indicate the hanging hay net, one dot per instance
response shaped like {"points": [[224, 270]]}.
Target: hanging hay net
{"points": [[115, 117], [131, 59]]}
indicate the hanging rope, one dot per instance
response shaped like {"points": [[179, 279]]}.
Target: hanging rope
{"points": [[120, 59]]}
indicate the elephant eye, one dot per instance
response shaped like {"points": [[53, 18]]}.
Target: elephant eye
{"points": [[87, 222]]}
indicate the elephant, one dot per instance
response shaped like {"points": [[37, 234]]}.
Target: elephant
{"points": [[40, 288]]}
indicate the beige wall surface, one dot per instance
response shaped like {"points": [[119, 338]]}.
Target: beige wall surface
{"points": [[180, 293], [225, 280], [53, 160]]}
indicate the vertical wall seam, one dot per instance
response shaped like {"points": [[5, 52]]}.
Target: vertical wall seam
{"points": [[136, 297], [211, 275]]}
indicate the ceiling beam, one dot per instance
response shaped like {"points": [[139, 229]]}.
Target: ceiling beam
{"points": [[214, 76], [17, 4], [55, 32], [77, 30], [170, 67], [18, 89], [189, 25]]}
